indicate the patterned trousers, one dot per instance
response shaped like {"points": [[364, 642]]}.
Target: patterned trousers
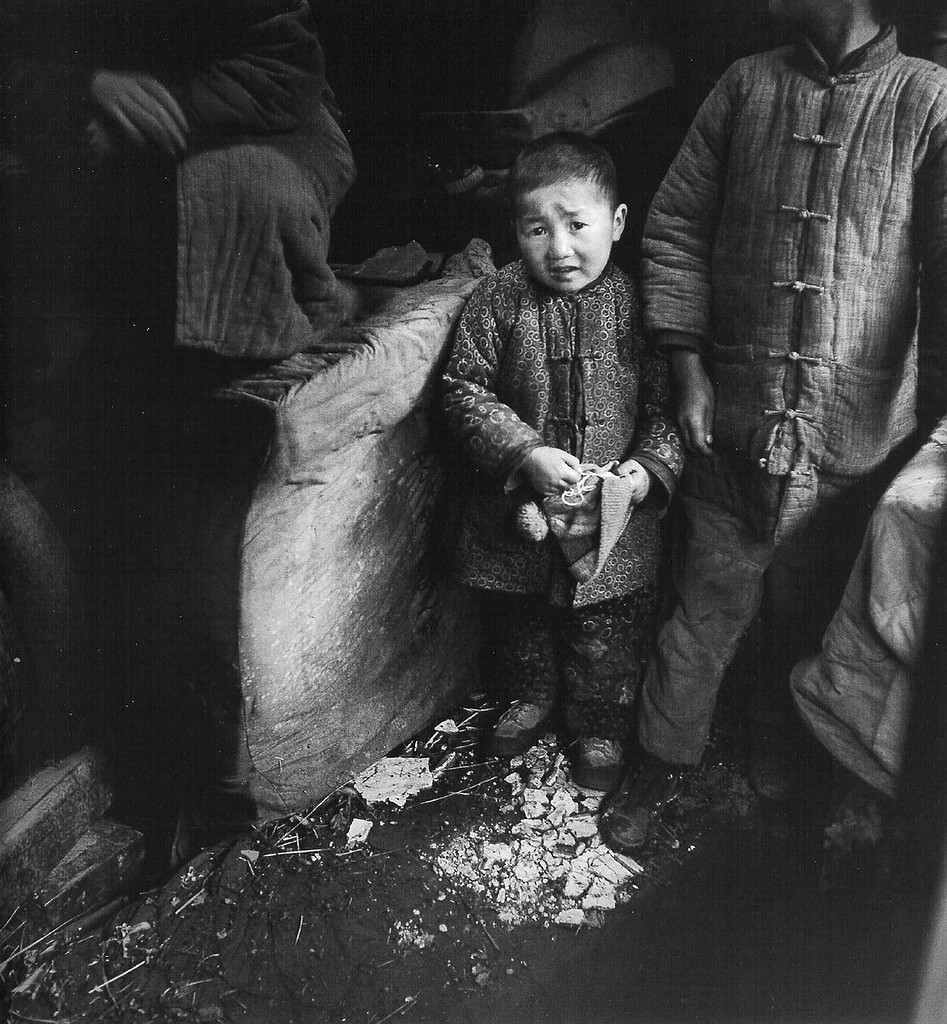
{"points": [[590, 660]]}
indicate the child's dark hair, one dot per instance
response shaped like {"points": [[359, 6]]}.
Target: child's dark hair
{"points": [[562, 156]]}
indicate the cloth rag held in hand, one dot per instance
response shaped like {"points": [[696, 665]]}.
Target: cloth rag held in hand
{"points": [[588, 518]]}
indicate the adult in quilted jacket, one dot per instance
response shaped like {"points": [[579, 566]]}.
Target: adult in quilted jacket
{"points": [[795, 263]]}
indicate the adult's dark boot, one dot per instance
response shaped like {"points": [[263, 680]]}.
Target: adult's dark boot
{"points": [[629, 816]]}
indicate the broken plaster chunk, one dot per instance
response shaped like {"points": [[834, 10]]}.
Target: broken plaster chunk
{"points": [[394, 779], [573, 917], [584, 861], [608, 866], [566, 842], [601, 887], [497, 853], [528, 826], [577, 884], [526, 870], [606, 902], [561, 801], [358, 831], [582, 826], [535, 803], [558, 869], [632, 865], [449, 727]]}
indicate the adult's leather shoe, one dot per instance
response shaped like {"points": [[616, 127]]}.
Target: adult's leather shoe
{"points": [[629, 816]]}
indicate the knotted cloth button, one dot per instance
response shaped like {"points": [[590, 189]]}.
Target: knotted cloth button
{"points": [[804, 214], [799, 286], [817, 140]]}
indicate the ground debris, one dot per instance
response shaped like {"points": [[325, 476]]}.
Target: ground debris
{"points": [[548, 866], [360, 910]]}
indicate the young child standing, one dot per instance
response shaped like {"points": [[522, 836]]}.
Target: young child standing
{"points": [[795, 263], [549, 374]]}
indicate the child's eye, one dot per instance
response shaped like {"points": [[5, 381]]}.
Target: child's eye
{"points": [[577, 225], [537, 230]]}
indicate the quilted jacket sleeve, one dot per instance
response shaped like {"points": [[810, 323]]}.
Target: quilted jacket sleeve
{"points": [[256, 68], [682, 222], [931, 221], [490, 434]]}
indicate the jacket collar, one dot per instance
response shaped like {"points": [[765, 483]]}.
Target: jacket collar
{"points": [[868, 58]]}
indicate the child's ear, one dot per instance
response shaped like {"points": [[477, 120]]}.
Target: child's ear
{"points": [[618, 221]]}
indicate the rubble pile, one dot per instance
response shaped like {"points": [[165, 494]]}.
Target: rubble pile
{"points": [[549, 865]]}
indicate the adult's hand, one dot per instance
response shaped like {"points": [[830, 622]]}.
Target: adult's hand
{"points": [[695, 413], [101, 142], [141, 110]]}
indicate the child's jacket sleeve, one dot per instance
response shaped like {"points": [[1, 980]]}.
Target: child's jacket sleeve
{"points": [[491, 435], [658, 444]]}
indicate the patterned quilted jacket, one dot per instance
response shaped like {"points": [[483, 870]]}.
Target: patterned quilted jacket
{"points": [[790, 237], [529, 368]]}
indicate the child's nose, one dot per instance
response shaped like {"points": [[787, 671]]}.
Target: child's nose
{"points": [[560, 245]]}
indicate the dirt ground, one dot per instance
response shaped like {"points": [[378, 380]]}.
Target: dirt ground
{"points": [[445, 910]]}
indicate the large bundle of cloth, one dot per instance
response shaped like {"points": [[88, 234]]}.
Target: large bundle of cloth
{"points": [[325, 592], [856, 695]]}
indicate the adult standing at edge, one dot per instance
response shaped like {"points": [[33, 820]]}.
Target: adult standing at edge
{"points": [[783, 258]]}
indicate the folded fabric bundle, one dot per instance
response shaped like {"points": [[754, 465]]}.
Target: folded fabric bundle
{"points": [[589, 517]]}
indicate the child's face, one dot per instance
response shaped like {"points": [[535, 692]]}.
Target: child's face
{"points": [[565, 233]]}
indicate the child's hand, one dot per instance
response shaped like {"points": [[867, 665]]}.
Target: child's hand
{"points": [[551, 470], [640, 479]]}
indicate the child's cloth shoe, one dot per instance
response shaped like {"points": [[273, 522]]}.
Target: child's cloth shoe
{"points": [[519, 728], [597, 763]]}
